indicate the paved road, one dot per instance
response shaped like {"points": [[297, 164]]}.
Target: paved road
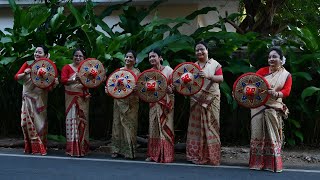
{"points": [[15, 165]]}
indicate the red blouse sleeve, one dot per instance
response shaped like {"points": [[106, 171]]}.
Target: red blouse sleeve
{"points": [[263, 71], [21, 70], [218, 71], [287, 87], [65, 73]]}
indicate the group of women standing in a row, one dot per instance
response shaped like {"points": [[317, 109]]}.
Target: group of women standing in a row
{"points": [[203, 139]]}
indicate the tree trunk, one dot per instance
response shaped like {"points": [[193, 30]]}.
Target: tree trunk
{"points": [[265, 17], [259, 16]]}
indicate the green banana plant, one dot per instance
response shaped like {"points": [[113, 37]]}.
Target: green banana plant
{"points": [[304, 62]]}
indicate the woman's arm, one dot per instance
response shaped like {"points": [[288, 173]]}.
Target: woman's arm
{"points": [[65, 75], [218, 76], [285, 91], [170, 85], [22, 71]]}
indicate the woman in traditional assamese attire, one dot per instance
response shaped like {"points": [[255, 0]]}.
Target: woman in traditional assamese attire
{"points": [[34, 107], [161, 129], [267, 120], [203, 137], [125, 117], [77, 99]]}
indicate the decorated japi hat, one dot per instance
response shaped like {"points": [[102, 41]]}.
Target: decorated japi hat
{"points": [[43, 73], [151, 85], [91, 73], [121, 83], [186, 78], [251, 90]]}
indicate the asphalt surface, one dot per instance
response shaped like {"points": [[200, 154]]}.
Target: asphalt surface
{"points": [[16, 165]]}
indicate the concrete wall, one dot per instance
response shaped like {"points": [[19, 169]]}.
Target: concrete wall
{"points": [[6, 18]]}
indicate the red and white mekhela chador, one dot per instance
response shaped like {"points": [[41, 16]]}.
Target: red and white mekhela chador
{"points": [[77, 113], [267, 123], [33, 115], [161, 130], [203, 137]]}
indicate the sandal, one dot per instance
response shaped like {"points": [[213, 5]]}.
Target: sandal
{"points": [[114, 155]]}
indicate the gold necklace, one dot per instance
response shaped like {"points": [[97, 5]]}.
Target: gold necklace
{"points": [[275, 69]]}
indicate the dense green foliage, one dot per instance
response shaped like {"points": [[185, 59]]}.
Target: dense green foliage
{"points": [[64, 27]]}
